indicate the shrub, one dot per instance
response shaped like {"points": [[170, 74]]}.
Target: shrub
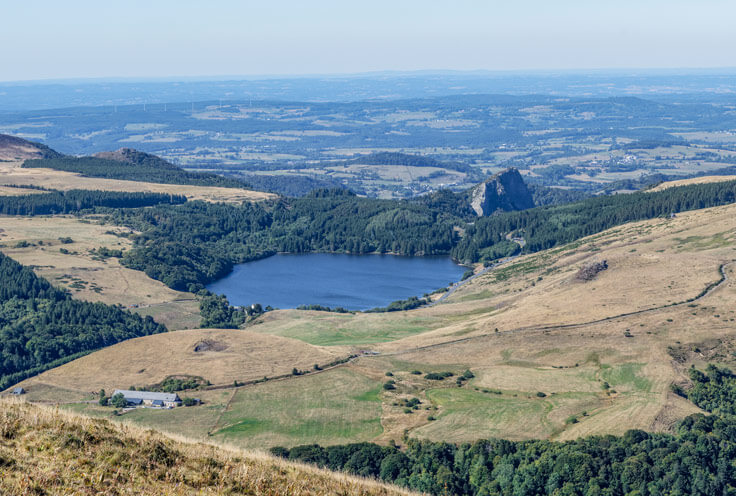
{"points": [[119, 401], [438, 376]]}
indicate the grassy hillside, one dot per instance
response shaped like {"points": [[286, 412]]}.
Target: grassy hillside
{"points": [[45, 451], [603, 351], [14, 148]]}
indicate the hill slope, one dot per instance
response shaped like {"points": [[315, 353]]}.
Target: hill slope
{"points": [[45, 451], [13, 148], [531, 325]]}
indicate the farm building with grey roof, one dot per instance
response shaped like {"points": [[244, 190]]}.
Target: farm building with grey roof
{"points": [[149, 398]]}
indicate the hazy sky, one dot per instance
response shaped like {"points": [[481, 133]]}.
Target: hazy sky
{"points": [[159, 38]]}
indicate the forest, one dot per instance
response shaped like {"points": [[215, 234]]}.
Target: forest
{"points": [[546, 227], [696, 460], [187, 246], [52, 202], [42, 327]]}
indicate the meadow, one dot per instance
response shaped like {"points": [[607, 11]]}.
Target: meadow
{"points": [[542, 368]]}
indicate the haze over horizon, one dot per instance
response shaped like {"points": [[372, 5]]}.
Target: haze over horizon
{"points": [[185, 39]]}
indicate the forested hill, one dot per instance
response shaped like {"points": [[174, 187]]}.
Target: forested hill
{"points": [[192, 244], [545, 227], [133, 166], [189, 245], [42, 327], [697, 460]]}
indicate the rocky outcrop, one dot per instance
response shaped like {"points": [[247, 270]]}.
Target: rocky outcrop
{"points": [[504, 191]]}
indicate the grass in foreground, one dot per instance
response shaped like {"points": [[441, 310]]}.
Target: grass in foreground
{"points": [[46, 451]]}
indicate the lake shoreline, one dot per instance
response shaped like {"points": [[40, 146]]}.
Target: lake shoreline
{"points": [[355, 282]]}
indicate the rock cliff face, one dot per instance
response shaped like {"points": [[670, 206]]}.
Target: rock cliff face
{"points": [[504, 191]]}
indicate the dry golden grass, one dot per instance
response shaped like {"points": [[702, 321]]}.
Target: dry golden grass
{"points": [[45, 451], [243, 356], [694, 180], [12, 191], [13, 173], [18, 151], [115, 284], [546, 323]]}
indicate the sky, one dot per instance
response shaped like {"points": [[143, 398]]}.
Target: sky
{"points": [[50, 39]]}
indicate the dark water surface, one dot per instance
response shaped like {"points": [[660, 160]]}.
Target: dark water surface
{"points": [[356, 282]]}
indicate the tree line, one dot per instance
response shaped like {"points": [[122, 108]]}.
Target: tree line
{"points": [[66, 202], [42, 327]]}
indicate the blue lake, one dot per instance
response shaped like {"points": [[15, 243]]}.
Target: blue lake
{"points": [[355, 282]]}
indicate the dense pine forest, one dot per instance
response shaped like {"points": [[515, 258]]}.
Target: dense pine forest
{"points": [[190, 245], [137, 166], [545, 227], [42, 327], [696, 460], [66, 202], [187, 246]]}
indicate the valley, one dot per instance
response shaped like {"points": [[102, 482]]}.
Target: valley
{"points": [[576, 319], [607, 362]]}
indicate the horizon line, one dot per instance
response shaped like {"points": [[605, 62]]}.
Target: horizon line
{"points": [[684, 71]]}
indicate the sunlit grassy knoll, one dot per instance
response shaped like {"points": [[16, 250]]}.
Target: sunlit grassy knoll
{"points": [[45, 451], [695, 180], [219, 356]]}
